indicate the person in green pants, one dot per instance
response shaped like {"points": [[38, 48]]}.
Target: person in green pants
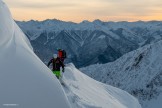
{"points": [[57, 64]]}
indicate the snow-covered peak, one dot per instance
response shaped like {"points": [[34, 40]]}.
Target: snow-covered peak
{"points": [[25, 81], [97, 21]]}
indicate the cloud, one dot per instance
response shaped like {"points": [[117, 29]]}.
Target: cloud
{"points": [[40, 5], [118, 9], [18, 4]]}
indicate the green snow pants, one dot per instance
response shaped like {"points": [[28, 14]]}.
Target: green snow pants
{"points": [[57, 73]]}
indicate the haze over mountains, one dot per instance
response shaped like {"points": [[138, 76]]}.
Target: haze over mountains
{"points": [[87, 42]]}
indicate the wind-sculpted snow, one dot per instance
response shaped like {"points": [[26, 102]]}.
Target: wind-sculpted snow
{"points": [[25, 82], [6, 19], [84, 92], [138, 72]]}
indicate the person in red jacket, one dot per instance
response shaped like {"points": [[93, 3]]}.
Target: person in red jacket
{"points": [[57, 64]]}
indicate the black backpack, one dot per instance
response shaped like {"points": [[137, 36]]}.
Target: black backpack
{"points": [[64, 54]]}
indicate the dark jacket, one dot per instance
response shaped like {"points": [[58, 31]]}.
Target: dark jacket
{"points": [[57, 63]]}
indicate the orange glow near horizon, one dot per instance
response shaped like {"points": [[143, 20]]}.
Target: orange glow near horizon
{"points": [[79, 10]]}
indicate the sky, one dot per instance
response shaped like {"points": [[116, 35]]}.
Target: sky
{"points": [[79, 10]]}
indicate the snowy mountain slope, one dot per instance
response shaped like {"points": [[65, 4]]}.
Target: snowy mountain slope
{"points": [[138, 72], [84, 92], [25, 81], [90, 42]]}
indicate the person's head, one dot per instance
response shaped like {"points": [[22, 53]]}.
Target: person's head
{"points": [[54, 55]]}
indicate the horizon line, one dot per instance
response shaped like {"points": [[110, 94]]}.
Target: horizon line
{"points": [[88, 20]]}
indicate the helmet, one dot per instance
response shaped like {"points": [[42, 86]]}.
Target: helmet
{"points": [[54, 55]]}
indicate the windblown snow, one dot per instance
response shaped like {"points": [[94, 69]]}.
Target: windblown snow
{"points": [[84, 92], [25, 82]]}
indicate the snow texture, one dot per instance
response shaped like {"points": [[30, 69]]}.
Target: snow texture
{"points": [[25, 82], [138, 72], [85, 92]]}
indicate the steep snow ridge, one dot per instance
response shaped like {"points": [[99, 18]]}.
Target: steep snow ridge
{"points": [[84, 92], [138, 72], [8, 22], [8, 30], [25, 81]]}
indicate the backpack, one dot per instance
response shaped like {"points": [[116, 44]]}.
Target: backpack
{"points": [[62, 54]]}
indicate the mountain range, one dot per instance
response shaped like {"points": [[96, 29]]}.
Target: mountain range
{"points": [[88, 43], [138, 72]]}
